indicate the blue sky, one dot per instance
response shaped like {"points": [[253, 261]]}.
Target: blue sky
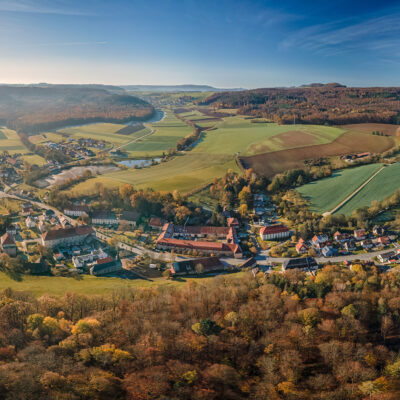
{"points": [[225, 43]]}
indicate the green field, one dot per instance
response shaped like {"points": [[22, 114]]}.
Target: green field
{"points": [[166, 135], [327, 193], [211, 157], [9, 141], [89, 285], [381, 187]]}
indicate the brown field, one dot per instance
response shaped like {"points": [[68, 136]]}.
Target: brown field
{"points": [[212, 113], [357, 139], [129, 129], [181, 110]]}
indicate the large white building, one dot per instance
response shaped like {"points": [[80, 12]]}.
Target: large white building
{"points": [[274, 232], [76, 210], [66, 236]]}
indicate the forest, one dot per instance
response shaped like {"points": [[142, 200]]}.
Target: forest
{"points": [[321, 104], [31, 109], [333, 336]]}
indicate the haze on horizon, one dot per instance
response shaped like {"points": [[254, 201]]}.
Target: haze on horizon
{"points": [[235, 43]]}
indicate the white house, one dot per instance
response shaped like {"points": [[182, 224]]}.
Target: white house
{"points": [[29, 222], [274, 232]]}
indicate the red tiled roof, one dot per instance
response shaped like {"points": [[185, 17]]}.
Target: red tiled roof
{"points": [[268, 230], [104, 260], [232, 221], [67, 232], [7, 239], [155, 221]]}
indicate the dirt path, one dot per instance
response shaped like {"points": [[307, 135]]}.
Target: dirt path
{"points": [[133, 141], [348, 198]]}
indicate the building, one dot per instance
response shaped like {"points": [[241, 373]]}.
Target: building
{"points": [[76, 210], [360, 234], [106, 266], [85, 259], [42, 226], [39, 267], [156, 223], [197, 266], [307, 263], [64, 221], [249, 263], [385, 240], [26, 210], [389, 257], [328, 251], [129, 218], [233, 223], [8, 245], [274, 232], [221, 249], [340, 237], [350, 245], [301, 247], [67, 236], [103, 218], [367, 244], [319, 241], [29, 222], [378, 230]]}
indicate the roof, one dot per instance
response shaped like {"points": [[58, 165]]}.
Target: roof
{"points": [[208, 263], [77, 207], [104, 260], [306, 262], [199, 245], [232, 221], [155, 221], [72, 231], [7, 240], [103, 215], [268, 230], [249, 263], [129, 216]]}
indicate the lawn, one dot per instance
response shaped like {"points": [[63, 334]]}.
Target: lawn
{"points": [[9, 140], [101, 131], [237, 134], [87, 284], [167, 133], [382, 186], [34, 159], [325, 194]]}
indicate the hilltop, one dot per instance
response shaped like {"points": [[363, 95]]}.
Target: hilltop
{"points": [[176, 88], [314, 104]]}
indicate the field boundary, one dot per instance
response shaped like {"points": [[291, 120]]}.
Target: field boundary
{"points": [[350, 196]]}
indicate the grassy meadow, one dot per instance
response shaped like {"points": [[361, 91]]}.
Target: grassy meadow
{"points": [[325, 194], [9, 141]]}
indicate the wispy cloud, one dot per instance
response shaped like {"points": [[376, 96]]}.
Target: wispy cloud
{"points": [[39, 7], [345, 36]]}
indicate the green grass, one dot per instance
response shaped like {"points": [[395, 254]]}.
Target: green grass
{"points": [[88, 284], [166, 135], [2, 135], [236, 134], [11, 142], [381, 187], [325, 194], [34, 159]]}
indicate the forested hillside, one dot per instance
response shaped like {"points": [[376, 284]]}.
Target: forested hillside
{"points": [[331, 103], [32, 109], [291, 336]]}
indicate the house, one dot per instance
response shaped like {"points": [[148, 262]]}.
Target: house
{"points": [[8, 245], [196, 232], [360, 234], [76, 210], [197, 266], [222, 249], [249, 263], [129, 218], [385, 240], [340, 237], [26, 210], [390, 256], [350, 245], [274, 232], [233, 223], [42, 226], [85, 259], [366, 244], [64, 221], [378, 230], [39, 267], [156, 223], [103, 218], [307, 263], [12, 230], [319, 241], [301, 247], [67, 236], [29, 222], [328, 251], [106, 266]]}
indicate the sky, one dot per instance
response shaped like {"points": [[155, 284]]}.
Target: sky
{"points": [[224, 43]]}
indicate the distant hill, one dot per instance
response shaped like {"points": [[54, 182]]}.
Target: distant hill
{"points": [[176, 88], [331, 103], [33, 108]]}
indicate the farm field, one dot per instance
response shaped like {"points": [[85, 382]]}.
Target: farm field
{"points": [[325, 194], [34, 159], [381, 187], [357, 138], [183, 173], [9, 141], [88, 285], [167, 133]]}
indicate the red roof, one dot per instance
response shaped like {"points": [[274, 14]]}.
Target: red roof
{"points": [[268, 230], [67, 232], [232, 222], [7, 239], [104, 260], [155, 221]]}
